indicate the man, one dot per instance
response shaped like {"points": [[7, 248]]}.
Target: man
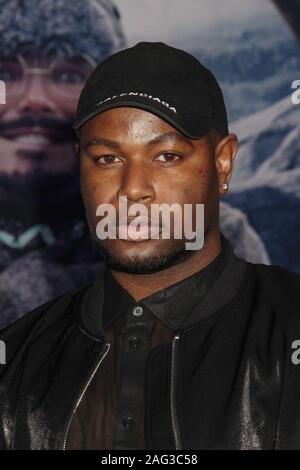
{"points": [[44, 242], [172, 348]]}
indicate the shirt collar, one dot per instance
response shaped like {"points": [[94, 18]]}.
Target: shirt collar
{"points": [[170, 305]]}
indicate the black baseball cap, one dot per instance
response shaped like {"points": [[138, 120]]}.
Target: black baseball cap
{"points": [[156, 77]]}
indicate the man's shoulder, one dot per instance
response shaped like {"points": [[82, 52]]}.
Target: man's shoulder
{"points": [[277, 275], [49, 314], [52, 325], [280, 289]]}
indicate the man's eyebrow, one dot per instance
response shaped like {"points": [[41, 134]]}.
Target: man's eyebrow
{"points": [[168, 136], [156, 140], [103, 142]]}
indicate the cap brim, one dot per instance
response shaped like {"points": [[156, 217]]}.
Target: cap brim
{"points": [[190, 130]]}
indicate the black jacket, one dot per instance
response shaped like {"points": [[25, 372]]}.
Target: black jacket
{"points": [[231, 381]]}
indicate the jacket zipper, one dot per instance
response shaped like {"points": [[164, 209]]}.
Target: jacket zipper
{"points": [[107, 346], [174, 416]]}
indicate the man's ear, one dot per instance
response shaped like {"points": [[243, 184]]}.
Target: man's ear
{"points": [[225, 153]]}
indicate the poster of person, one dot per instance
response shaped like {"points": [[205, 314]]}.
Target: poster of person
{"points": [[48, 49]]}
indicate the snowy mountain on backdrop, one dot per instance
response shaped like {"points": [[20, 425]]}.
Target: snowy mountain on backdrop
{"points": [[265, 185]]}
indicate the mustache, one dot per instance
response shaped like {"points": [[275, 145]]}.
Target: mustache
{"points": [[35, 120]]}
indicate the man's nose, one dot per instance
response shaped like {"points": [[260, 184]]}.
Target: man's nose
{"points": [[35, 97], [137, 183]]}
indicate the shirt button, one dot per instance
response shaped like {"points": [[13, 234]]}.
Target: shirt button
{"points": [[134, 342], [138, 311], [128, 422]]}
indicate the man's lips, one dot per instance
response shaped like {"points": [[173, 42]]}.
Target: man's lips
{"points": [[139, 231], [35, 135]]}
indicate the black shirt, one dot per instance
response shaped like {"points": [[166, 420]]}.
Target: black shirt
{"points": [[111, 415]]}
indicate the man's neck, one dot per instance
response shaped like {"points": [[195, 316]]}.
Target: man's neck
{"points": [[143, 285]]}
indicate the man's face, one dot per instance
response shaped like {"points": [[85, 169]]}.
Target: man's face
{"points": [[141, 156], [36, 139]]}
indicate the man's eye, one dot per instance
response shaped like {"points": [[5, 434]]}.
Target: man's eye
{"points": [[107, 159], [168, 157]]}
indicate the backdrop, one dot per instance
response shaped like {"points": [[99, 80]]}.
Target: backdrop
{"points": [[47, 50]]}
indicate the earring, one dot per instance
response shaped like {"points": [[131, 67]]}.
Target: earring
{"points": [[225, 186]]}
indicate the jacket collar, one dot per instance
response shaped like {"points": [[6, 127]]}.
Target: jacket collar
{"points": [[205, 293], [170, 305]]}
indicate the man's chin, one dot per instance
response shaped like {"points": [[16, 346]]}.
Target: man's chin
{"points": [[145, 263]]}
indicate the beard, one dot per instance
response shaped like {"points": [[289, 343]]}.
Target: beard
{"points": [[40, 196], [165, 258]]}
